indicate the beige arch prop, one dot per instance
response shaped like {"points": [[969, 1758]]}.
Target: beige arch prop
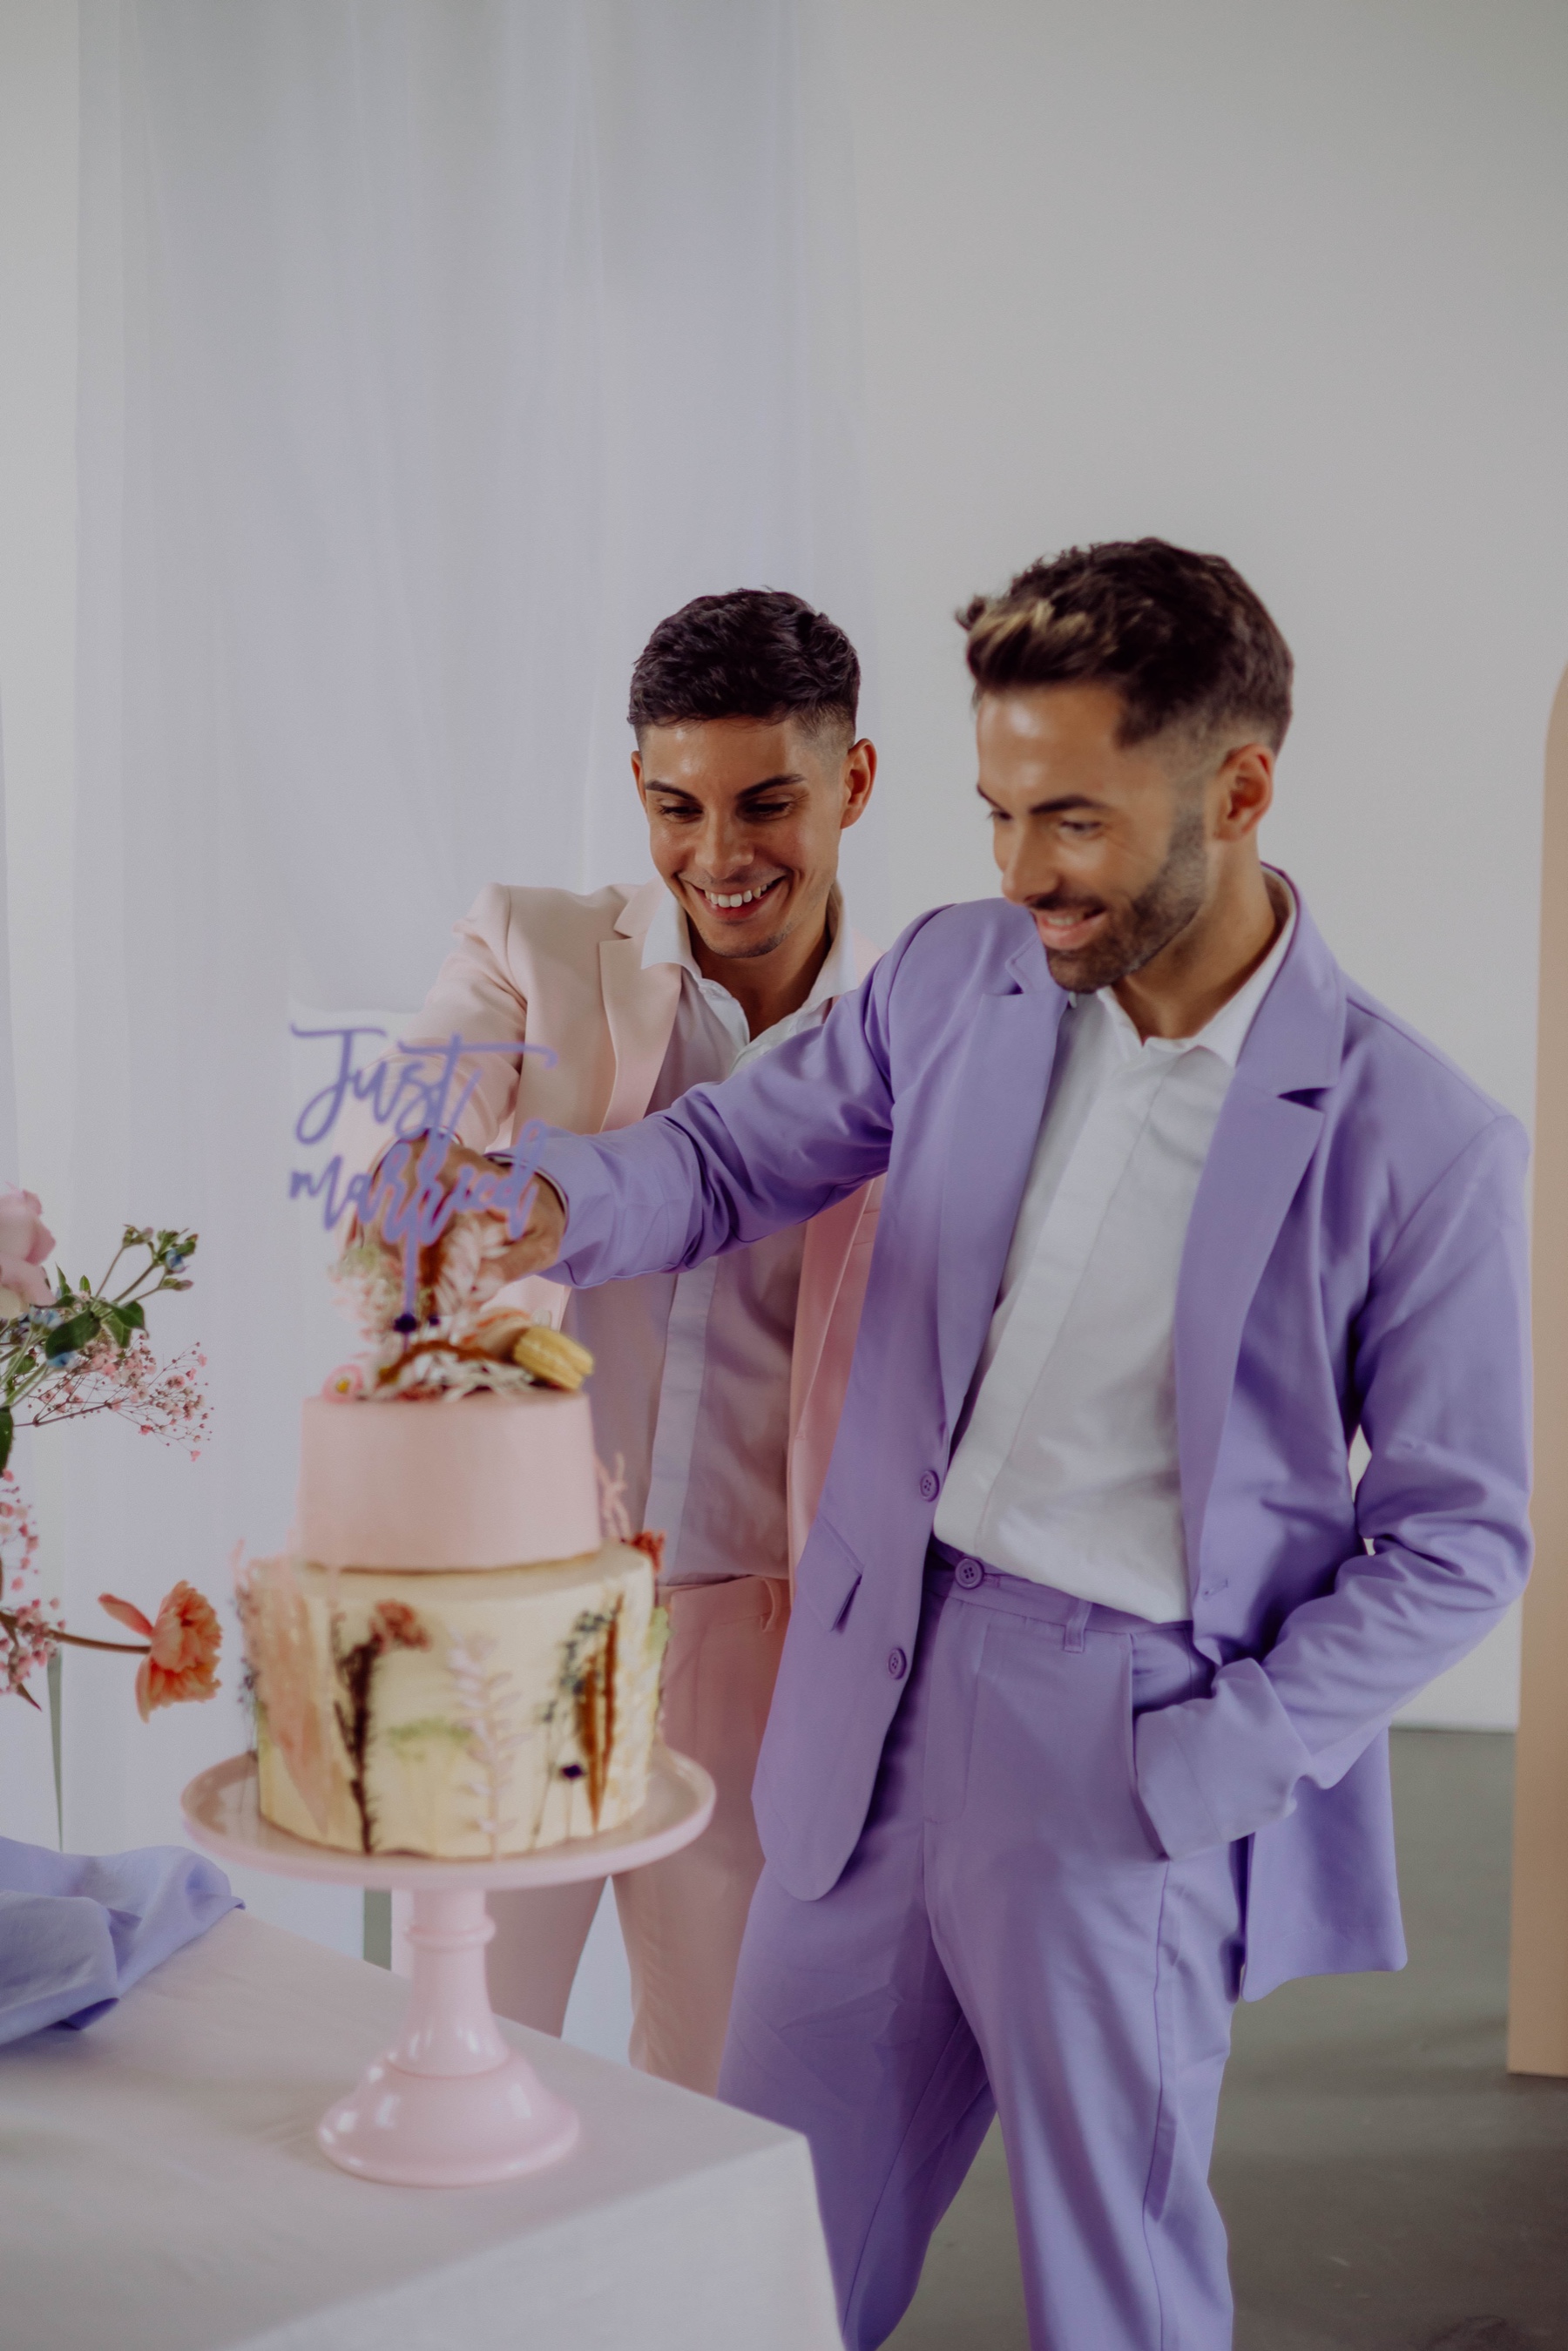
{"points": [[1537, 1997]]}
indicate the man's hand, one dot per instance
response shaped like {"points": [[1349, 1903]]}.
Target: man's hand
{"points": [[539, 1243], [542, 1236]]}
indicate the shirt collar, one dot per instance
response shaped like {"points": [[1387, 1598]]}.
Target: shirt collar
{"points": [[1226, 1034], [668, 940]]}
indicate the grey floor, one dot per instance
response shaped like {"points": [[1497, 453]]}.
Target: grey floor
{"points": [[1388, 2185]]}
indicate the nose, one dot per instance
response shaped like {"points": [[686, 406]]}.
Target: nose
{"points": [[1030, 868], [722, 850]]}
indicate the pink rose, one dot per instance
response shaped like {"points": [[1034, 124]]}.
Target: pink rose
{"points": [[347, 1381], [25, 1242]]}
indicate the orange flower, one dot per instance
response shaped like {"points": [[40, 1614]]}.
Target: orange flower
{"points": [[183, 1648], [653, 1545], [395, 1626]]}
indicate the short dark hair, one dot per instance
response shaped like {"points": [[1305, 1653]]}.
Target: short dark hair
{"points": [[757, 652], [1180, 637]]}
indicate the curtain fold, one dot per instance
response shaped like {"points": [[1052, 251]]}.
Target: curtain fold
{"points": [[27, 1805], [429, 355]]}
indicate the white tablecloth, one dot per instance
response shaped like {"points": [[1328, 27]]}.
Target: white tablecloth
{"points": [[160, 2190]]}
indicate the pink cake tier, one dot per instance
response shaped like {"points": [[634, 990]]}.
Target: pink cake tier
{"points": [[474, 1481]]}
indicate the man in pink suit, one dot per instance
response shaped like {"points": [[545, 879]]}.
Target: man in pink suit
{"points": [[1080, 1726], [717, 1392]]}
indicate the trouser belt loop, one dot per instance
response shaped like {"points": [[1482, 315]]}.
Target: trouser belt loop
{"points": [[1073, 1632]]}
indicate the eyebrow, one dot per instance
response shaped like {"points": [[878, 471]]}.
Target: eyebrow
{"points": [[1045, 807], [752, 791]]}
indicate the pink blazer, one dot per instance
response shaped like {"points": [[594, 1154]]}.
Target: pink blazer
{"points": [[567, 971]]}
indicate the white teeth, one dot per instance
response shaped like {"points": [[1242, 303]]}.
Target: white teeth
{"points": [[736, 897]]}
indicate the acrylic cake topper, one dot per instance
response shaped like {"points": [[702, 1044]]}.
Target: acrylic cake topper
{"points": [[440, 1330], [405, 1195]]}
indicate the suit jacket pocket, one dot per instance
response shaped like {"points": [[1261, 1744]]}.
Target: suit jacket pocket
{"points": [[827, 1577]]}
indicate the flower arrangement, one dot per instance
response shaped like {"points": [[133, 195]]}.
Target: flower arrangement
{"points": [[67, 1351], [463, 1344]]}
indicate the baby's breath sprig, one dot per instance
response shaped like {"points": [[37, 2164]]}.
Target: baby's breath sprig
{"points": [[85, 1326]]}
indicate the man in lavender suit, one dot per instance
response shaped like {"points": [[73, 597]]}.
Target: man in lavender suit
{"points": [[1080, 1726]]}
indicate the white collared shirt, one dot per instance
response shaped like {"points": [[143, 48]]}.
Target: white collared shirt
{"points": [[1066, 1469], [691, 1378]]}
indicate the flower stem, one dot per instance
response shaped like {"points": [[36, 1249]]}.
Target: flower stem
{"points": [[80, 1640]]}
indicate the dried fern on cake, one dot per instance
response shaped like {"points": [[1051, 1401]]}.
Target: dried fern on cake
{"points": [[486, 1711], [393, 1625]]}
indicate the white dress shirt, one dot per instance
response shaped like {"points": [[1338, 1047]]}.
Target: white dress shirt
{"points": [[1066, 1468], [691, 1376]]}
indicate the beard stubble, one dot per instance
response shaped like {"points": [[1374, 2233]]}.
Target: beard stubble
{"points": [[1149, 923]]}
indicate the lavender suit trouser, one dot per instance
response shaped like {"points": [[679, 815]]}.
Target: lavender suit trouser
{"points": [[1008, 1938]]}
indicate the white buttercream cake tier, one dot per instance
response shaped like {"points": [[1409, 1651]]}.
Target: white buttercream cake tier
{"points": [[466, 1715]]}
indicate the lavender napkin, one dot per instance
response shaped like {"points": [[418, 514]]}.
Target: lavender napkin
{"points": [[78, 1930]]}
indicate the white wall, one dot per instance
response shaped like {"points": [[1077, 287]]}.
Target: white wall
{"points": [[38, 685], [38, 558], [1286, 281]]}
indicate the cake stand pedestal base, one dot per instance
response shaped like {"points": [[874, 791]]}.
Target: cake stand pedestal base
{"points": [[451, 2104]]}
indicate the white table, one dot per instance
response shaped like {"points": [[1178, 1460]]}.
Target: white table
{"points": [[160, 2190]]}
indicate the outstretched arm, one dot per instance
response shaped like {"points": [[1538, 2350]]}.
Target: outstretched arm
{"points": [[783, 1138], [473, 997]]}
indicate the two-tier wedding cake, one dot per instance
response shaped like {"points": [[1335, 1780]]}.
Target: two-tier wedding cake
{"points": [[450, 1658]]}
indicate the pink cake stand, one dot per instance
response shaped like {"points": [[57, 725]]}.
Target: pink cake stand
{"points": [[450, 2104]]}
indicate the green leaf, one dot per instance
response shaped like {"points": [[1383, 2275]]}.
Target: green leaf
{"points": [[131, 1313], [7, 1435], [65, 1340]]}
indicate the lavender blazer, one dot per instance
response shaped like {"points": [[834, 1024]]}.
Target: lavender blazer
{"points": [[1356, 1258]]}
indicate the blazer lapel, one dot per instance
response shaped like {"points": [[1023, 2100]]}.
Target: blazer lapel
{"points": [[993, 1113], [639, 1006], [1262, 1147]]}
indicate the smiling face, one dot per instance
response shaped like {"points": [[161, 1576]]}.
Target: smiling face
{"points": [[745, 817], [1121, 852]]}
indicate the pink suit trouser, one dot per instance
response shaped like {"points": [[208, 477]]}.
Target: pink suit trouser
{"points": [[683, 1918]]}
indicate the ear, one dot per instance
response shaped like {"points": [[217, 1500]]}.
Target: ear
{"points": [[859, 777], [637, 777], [1246, 790]]}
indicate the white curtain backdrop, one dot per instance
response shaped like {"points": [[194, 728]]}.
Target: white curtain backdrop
{"points": [[429, 354], [27, 1806]]}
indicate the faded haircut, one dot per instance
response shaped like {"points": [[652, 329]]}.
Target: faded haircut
{"points": [[756, 653], [1180, 637]]}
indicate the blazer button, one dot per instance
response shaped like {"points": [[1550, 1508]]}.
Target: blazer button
{"points": [[968, 1573], [930, 1485], [898, 1664]]}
